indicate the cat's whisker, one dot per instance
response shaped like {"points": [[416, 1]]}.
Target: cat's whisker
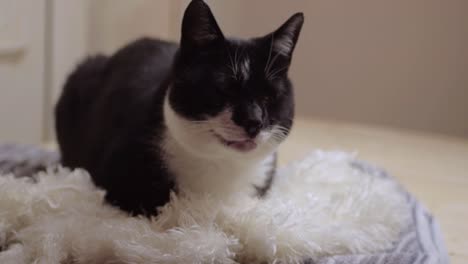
{"points": [[269, 53], [272, 63], [232, 72], [272, 75], [231, 67], [282, 129], [282, 135], [230, 58], [276, 140], [279, 136], [236, 63]]}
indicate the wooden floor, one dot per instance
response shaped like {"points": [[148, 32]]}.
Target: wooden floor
{"points": [[432, 167]]}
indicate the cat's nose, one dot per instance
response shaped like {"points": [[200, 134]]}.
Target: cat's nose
{"points": [[253, 127], [249, 116]]}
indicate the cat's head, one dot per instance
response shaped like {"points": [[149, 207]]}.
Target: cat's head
{"points": [[231, 96]]}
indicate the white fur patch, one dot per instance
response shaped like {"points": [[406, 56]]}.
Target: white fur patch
{"points": [[318, 207], [202, 164]]}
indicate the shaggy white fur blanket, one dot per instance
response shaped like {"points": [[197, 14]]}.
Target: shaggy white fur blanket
{"points": [[319, 206]]}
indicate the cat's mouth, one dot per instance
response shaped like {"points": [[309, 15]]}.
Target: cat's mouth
{"points": [[243, 145]]}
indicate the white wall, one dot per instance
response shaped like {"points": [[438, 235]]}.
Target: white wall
{"points": [[22, 70]]}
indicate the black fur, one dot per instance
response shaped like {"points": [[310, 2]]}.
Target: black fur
{"points": [[109, 118]]}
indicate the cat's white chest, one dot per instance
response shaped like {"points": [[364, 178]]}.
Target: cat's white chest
{"points": [[219, 177]]}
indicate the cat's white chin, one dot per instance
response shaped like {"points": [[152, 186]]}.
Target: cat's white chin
{"points": [[241, 145], [211, 140]]}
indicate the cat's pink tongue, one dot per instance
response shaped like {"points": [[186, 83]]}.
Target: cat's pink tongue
{"points": [[243, 146]]}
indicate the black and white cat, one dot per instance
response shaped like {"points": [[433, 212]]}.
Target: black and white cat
{"points": [[206, 116]]}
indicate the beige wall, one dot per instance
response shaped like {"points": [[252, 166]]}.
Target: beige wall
{"points": [[66, 44], [22, 70], [115, 22], [399, 63]]}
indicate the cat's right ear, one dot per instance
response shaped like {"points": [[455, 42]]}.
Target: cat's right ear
{"points": [[285, 37], [199, 27]]}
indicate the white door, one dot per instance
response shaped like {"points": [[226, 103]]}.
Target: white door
{"points": [[22, 66]]}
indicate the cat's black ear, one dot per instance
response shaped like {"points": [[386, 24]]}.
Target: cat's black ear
{"points": [[284, 39], [199, 27]]}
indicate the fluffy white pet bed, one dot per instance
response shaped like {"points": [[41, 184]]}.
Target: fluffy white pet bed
{"points": [[320, 206]]}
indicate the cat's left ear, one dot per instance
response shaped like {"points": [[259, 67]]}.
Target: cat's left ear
{"points": [[284, 39]]}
